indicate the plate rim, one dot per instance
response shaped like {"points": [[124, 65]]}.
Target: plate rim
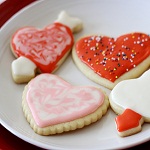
{"points": [[9, 128]]}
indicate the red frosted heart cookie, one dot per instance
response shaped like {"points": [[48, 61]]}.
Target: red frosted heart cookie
{"points": [[51, 105], [42, 49], [45, 47], [107, 60]]}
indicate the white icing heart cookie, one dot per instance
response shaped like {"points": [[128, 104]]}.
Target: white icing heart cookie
{"points": [[51, 105], [46, 48], [134, 95]]}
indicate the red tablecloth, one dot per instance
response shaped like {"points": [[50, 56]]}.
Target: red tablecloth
{"points": [[8, 141]]}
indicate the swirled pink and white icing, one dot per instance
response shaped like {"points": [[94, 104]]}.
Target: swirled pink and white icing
{"points": [[44, 47], [53, 100]]}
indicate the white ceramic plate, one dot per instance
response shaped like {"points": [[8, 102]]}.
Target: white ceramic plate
{"points": [[105, 17]]}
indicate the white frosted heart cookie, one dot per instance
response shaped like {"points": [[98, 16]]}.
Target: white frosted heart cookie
{"points": [[134, 95], [45, 48], [51, 105]]}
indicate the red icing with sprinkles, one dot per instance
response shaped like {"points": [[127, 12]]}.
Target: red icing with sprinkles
{"points": [[109, 57], [44, 47], [128, 120]]}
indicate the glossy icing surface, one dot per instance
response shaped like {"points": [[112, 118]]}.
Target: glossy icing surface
{"points": [[109, 57], [44, 47], [128, 120], [53, 100], [23, 67], [133, 94]]}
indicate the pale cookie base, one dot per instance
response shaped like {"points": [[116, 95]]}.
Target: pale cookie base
{"points": [[20, 79], [66, 126], [77, 28], [12, 50], [133, 73]]}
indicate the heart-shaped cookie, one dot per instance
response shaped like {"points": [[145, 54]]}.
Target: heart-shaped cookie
{"points": [[43, 50], [132, 94], [51, 105], [45, 47], [107, 60]]}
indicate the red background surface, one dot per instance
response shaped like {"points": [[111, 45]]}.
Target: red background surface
{"points": [[8, 141]]}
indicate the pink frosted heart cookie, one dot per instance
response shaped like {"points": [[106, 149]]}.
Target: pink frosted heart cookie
{"points": [[45, 49], [131, 95], [51, 105], [107, 60]]}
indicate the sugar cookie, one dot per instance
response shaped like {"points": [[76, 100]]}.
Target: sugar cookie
{"points": [[47, 48], [51, 105], [107, 61], [132, 94]]}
